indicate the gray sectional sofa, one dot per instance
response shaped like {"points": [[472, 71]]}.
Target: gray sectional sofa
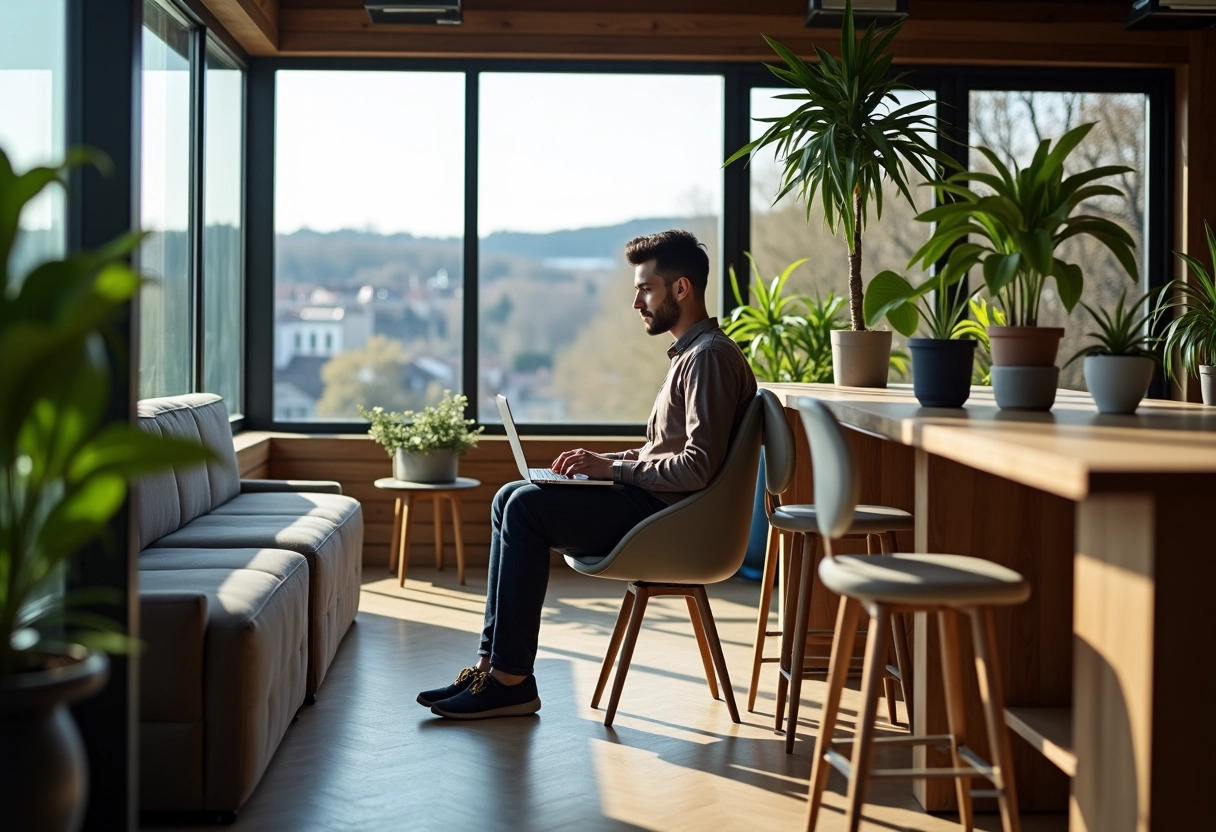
{"points": [[246, 590]]}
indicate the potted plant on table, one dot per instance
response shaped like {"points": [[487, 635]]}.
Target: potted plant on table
{"points": [[942, 362], [1013, 229], [1193, 333], [837, 146], [1119, 363], [425, 447], [63, 474]]}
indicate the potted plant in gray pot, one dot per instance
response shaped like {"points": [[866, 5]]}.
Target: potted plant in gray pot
{"points": [[847, 135], [63, 474], [427, 446], [1192, 335], [941, 362], [1013, 227], [1119, 363]]}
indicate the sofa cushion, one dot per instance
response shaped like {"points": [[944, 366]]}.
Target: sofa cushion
{"points": [[335, 508]]}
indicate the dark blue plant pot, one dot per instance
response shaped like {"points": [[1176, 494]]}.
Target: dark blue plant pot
{"points": [[941, 370]]}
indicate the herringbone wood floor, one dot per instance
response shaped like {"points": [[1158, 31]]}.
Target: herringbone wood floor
{"points": [[367, 757]]}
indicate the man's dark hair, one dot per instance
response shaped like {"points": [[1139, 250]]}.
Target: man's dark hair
{"points": [[676, 254]]}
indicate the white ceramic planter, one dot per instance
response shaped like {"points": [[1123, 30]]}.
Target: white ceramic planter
{"points": [[861, 359], [437, 466], [1207, 382], [1118, 382]]}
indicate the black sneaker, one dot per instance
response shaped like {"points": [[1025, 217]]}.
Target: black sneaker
{"points": [[487, 697], [467, 676]]}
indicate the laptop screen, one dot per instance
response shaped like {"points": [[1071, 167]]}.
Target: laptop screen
{"points": [[517, 447]]}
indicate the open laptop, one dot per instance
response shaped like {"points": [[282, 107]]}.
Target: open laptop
{"points": [[540, 476]]}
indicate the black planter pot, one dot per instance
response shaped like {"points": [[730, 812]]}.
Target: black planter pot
{"points": [[45, 782], [941, 370]]}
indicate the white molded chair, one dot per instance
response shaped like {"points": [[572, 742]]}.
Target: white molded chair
{"points": [[945, 585], [699, 540]]}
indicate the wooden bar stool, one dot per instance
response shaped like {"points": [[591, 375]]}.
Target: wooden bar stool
{"points": [[946, 585], [792, 530]]}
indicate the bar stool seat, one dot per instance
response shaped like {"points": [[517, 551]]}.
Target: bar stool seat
{"points": [[923, 580], [803, 519]]}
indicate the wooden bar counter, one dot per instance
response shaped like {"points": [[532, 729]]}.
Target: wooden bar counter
{"points": [[1108, 669]]}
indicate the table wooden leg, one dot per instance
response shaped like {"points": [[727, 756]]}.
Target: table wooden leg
{"points": [[403, 554], [459, 539], [437, 508], [393, 541]]}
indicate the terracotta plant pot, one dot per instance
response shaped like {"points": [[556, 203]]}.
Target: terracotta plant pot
{"points": [[437, 466], [861, 359], [1024, 346]]}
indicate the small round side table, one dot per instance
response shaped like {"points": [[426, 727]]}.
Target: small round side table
{"points": [[399, 544]]}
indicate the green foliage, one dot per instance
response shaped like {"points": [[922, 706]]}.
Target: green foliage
{"points": [[1014, 228], [982, 317], [1128, 330], [1193, 332], [441, 426], [785, 337], [63, 468], [890, 295], [847, 135]]}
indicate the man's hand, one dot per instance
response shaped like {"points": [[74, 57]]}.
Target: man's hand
{"points": [[579, 461]]}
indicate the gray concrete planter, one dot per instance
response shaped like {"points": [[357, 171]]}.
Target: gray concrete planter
{"points": [[439, 465], [1025, 388], [1207, 382], [1118, 382], [861, 359]]}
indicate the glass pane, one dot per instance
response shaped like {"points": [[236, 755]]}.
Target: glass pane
{"points": [[1012, 123], [782, 233], [571, 168], [223, 287], [166, 317], [369, 219], [32, 100]]}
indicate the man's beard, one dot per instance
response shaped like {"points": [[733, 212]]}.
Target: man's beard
{"points": [[663, 318]]}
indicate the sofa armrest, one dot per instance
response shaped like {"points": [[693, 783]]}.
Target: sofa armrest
{"points": [[172, 627], [309, 486]]}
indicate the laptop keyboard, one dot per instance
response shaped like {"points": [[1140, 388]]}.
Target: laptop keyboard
{"points": [[545, 474]]}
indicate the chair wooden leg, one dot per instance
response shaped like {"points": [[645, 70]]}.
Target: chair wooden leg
{"points": [[863, 739], [956, 714], [403, 553], [715, 648], [392, 541], [702, 645], [631, 640], [901, 636], [458, 537], [771, 556], [992, 695], [789, 595], [838, 672], [614, 644], [798, 641]]}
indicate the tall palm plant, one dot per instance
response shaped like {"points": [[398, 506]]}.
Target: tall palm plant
{"points": [[847, 135]]}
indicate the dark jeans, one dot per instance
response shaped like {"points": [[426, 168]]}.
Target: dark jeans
{"points": [[526, 521]]}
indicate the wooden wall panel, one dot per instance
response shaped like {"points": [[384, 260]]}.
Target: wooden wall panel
{"points": [[356, 462]]}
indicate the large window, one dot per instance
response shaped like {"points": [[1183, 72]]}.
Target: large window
{"points": [[572, 166], [223, 252], [369, 230], [166, 328], [1012, 123], [32, 118]]}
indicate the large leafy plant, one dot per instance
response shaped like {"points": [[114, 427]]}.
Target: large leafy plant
{"points": [[847, 135], [786, 337], [939, 302], [440, 427], [63, 467], [1014, 227], [1193, 333]]}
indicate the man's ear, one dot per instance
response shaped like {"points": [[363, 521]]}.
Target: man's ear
{"points": [[682, 287]]}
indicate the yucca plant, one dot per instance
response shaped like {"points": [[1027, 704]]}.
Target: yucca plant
{"points": [[1125, 330], [1193, 333], [1014, 227], [847, 135]]}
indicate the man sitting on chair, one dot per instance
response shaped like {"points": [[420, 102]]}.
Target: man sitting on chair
{"points": [[708, 387]]}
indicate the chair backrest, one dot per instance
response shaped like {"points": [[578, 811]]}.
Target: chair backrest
{"points": [[778, 446], [836, 484], [701, 539]]}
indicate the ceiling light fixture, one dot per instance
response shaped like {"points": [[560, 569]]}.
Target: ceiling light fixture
{"points": [[865, 12], [445, 12]]}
